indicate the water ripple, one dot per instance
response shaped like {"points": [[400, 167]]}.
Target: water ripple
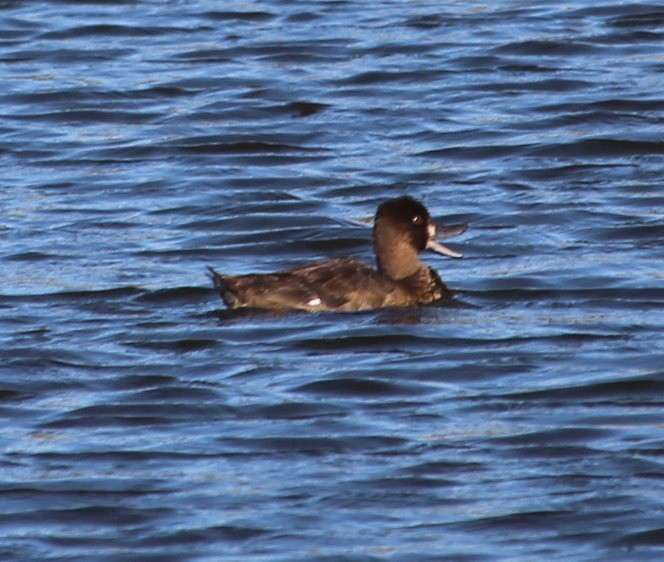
{"points": [[143, 421]]}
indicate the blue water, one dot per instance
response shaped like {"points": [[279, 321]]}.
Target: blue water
{"points": [[141, 141]]}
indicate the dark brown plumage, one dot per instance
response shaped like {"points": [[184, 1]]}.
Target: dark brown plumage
{"points": [[402, 229]]}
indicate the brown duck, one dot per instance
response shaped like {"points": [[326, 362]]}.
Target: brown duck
{"points": [[402, 229]]}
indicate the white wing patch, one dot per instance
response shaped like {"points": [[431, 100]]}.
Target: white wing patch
{"points": [[314, 302]]}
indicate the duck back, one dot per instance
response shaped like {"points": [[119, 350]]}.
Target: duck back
{"points": [[331, 285], [338, 284]]}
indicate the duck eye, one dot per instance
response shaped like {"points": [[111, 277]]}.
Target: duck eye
{"points": [[417, 219]]}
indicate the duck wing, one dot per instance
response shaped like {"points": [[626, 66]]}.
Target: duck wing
{"points": [[345, 285], [329, 285], [274, 291]]}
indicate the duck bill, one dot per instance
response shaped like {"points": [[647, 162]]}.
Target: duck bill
{"points": [[444, 232]]}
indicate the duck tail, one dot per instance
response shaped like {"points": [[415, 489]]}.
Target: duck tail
{"points": [[217, 279], [220, 283]]}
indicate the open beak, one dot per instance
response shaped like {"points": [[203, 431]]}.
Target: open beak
{"points": [[444, 232]]}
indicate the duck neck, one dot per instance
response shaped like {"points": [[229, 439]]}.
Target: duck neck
{"points": [[395, 257]]}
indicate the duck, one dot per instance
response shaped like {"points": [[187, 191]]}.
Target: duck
{"points": [[402, 229]]}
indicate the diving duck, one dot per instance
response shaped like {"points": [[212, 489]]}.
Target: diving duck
{"points": [[402, 229]]}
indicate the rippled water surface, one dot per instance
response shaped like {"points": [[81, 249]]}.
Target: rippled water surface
{"points": [[141, 141]]}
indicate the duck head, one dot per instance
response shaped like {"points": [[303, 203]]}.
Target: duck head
{"points": [[402, 229]]}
